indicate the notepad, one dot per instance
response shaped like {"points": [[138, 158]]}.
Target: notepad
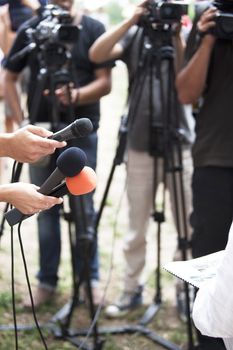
{"points": [[196, 271]]}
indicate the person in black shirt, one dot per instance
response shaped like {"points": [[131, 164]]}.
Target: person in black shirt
{"points": [[207, 76], [90, 83]]}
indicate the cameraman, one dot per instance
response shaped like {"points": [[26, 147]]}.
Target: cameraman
{"points": [[126, 42], [208, 74], [91, 82]]}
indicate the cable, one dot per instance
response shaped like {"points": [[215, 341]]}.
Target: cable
{"points": [[12, 268], [13, 289], [101, 305], [13, 171], [29, 287]]}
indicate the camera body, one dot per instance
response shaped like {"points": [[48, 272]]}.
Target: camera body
{"points": [[224, 20], [54, 36], [55, 27], [164, 12]]}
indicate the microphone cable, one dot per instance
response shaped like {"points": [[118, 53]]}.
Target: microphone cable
{"points": [[13, 289], [109, 275], [7, 206], [12, 266], [29, 286]]}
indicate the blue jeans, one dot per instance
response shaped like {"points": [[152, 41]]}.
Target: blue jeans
{"points": [[49, 221]]}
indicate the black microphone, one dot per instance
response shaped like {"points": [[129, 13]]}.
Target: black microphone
{"points": [[69, 163], [79, 128]]}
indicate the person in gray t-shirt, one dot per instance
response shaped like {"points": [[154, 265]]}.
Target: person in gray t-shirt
{"points": [[126, 42]]}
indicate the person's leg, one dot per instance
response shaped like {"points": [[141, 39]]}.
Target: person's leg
{"points": [[140, 182], [212, 209], [211, 220], [49, 232]]}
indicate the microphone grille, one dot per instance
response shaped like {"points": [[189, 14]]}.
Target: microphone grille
{"points": [[82, 127], [71, 161]]}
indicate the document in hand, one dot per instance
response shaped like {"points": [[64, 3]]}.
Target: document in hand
{"points": [[196, 271]]}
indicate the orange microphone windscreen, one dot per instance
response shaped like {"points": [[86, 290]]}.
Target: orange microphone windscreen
{"points": [[82, 183]]}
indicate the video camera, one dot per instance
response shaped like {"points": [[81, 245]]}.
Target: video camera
{"points": [[55, 26], [53, 36], [164, 12], [224, 20]]}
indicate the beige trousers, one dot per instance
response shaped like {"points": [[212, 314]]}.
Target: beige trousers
{"points": [[142, 183]]}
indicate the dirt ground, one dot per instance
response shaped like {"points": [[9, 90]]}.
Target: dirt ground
{"points": [[112, 227]]}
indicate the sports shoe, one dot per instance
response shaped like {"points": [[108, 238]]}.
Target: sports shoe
{"points": [[127, 302], [41, 297]]}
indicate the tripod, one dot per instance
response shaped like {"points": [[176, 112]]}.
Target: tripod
{"points": [[165, 147]]}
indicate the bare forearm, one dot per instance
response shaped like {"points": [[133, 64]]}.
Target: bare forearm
{"points": [[191, 80], [179, 45], [93, 91], [104, 47], [12, 96]]}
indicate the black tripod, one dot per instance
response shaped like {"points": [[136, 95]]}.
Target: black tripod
{"points": [[165, 147], [55, 70]]}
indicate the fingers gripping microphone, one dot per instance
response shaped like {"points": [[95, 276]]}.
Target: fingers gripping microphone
{"points": [[79, 128], [69, 164]]}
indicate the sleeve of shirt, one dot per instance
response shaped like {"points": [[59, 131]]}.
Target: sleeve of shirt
{"points": [[213, 306], [17, 63]]}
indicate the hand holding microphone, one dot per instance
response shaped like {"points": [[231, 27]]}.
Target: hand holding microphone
{"points": [[69, 164], [28, 144], [78, 185]]}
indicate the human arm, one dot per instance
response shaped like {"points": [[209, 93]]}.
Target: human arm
{"points": [[28, 144], [179, 47], [89, 93], [12, 96], [107, 46], [212, 311], [32, 4], [191, 80], [26, 198]]}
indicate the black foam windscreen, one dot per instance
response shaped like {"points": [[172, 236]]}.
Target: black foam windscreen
{"points": [[82, 127], [71, 161]]}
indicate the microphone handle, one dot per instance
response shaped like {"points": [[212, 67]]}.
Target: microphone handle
{"points": [[14, 216]]}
